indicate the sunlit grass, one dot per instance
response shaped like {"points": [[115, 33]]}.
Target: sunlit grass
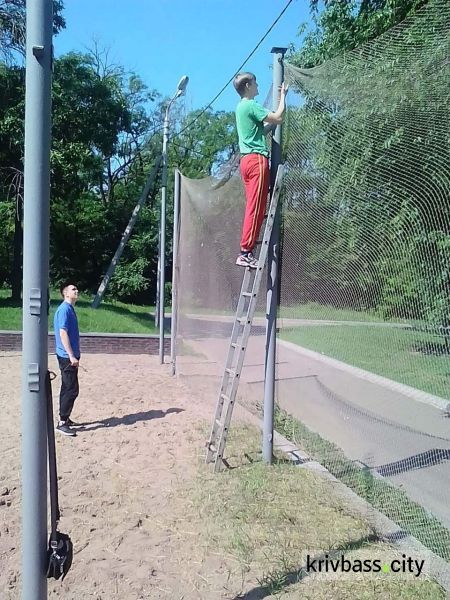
{"points": [[110, 317], [267, 519], [415, 358]]}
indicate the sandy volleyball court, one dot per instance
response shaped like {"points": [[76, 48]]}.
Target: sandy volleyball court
{"points": [[123, 483]]}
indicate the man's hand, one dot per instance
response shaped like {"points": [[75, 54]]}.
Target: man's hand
{"points": [[73, 361], [283, 89], [276, 117]]}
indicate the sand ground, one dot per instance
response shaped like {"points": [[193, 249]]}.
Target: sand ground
{"points": [[124, 486]]}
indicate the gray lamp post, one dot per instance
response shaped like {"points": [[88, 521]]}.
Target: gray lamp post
{"points": [[162, 224], [35, 290]]}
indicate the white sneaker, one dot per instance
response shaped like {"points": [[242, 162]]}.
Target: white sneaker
{"points": [[247, 260]]}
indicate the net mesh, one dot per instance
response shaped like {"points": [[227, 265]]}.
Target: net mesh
{"points": [[363, 366]]}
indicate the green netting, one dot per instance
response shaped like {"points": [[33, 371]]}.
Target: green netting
{"points": [[363, 364]]}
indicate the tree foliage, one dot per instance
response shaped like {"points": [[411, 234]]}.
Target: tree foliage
{"points": [[374, 163], [106, 137], [13, 26], [343, 25]]}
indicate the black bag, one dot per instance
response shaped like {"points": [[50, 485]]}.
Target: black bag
{"points": [[59, 554], [60, 547]]}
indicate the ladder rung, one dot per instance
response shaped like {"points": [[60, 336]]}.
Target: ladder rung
{"points": [[231, 372], [220, 423], [243, 320], [236, 345], [224, 396], [248, 294]]}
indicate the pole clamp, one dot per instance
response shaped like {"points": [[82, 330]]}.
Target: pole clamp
{"points": [[35, 302], [33, 377], [38, 51]]}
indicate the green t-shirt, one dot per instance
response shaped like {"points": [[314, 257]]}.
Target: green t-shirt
{"points": [[249, 121]]}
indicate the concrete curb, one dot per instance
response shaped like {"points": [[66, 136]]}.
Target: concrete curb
{"points": [[435, 566]]}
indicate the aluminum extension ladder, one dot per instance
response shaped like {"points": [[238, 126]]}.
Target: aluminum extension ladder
{"points": [[239, 340]]}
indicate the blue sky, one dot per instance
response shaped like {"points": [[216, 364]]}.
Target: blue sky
{"points": [[161, 40]]}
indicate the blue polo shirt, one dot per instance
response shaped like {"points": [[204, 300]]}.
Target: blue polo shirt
{"points": [[66, 318]]}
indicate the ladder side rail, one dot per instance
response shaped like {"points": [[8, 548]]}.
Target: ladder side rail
{"points": [[233, 392], [270, 218], [220, 428], [226, 376]]}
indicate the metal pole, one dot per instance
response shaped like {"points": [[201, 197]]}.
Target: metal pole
{"points": [[176, 235], [162, 244], [159, 314], [272, 274], [126, 234], [158, 276], [35, 290]]}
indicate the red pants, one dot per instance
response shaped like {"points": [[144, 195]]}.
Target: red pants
{"points": [[255, 175]]}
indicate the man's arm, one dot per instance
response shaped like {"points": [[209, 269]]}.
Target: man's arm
{"points": [[268, 127], [275, 118], [68, 348]]}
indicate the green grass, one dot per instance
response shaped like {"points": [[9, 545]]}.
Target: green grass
{"points": [[268, 519], [110, 317], [311, 310], [415, 358], [386, 498], [324, 312]]}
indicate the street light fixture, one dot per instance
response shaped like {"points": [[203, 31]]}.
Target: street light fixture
{"points": [[162, 223]]}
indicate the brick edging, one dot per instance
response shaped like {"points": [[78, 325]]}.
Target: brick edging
{"points": [[95, 343]]}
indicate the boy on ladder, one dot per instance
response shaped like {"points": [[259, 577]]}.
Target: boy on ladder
{"points": [[250, 119]]}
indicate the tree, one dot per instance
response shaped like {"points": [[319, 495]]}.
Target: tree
{"points": [[13, 26], [377, 154], [12, 49], [102, 132], [207, 141], [101, 118], [346, 24], [200, 144], [12, 112]]}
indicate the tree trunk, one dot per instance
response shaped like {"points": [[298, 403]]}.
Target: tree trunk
{"points": [[16, 274]]}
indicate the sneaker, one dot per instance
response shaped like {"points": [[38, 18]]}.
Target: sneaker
{"points": [[71, 423], [247, 260], [64, 428]]}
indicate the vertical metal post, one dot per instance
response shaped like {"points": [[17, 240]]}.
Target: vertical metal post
{"points": [[272, 274], [162, 237], [35, 290], [126, 234], [181, 87], [158, 276], [176, 237]]}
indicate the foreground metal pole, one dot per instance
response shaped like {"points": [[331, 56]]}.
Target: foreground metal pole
{"points": [[162, 237], [175, 269], [272, 274], [126, 234], [35, 291]]}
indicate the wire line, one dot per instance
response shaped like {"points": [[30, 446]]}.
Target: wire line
{"points": [[237, 71]]}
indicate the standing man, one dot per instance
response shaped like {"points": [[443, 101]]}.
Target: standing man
{"points": [[67, 342], [250, 119]]}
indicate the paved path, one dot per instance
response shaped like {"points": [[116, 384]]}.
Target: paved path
{"points": [[404, 440], [291, 322]]}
